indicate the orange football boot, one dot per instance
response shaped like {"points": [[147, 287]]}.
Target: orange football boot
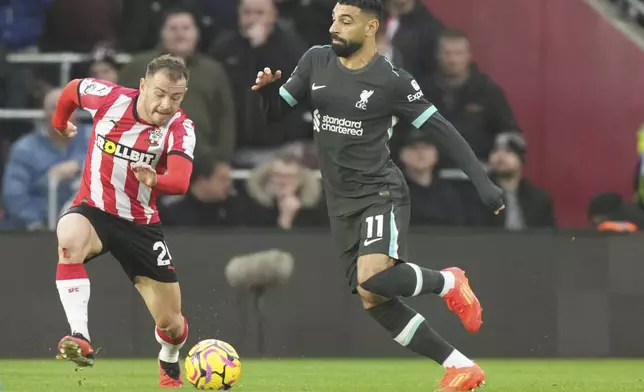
{"points": [[76, 348], [170, 375], [461, 300], [462, 379]]}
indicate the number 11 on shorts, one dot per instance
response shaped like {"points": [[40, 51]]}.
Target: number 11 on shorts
{"points": [[379, 221], [164, 257]]}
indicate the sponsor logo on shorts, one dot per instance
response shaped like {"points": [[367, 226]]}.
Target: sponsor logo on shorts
{"points": [[118, 150], [336, 125]]}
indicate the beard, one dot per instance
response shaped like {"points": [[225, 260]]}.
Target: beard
{"points": [[504, 174], [344, 48]]}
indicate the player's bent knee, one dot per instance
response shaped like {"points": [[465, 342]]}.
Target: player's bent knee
{"points": [[370, 265], [369, 299], [76, 239], [171, 323]]}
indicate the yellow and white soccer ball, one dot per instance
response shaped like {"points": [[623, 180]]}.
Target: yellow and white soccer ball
{"points": [[213, 365]]}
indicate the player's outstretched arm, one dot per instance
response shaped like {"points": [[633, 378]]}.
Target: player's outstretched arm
{"points": [[175, 182], [272, 103], [451, 140], [67, 104]]}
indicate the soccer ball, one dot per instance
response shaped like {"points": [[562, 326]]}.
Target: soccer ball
{"points": [[212, 365]]}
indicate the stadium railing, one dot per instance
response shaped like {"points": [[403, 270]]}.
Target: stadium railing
{"points": [[66, 60]]}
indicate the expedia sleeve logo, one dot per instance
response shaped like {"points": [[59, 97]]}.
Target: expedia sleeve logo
{"points": [[118, 150]]}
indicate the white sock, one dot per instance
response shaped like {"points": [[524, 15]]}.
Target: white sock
{"points": [[170, 351], [457, 360], [74, 295], [450, 281]]}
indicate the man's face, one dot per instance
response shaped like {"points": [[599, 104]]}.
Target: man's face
{"points": [[218, 185], [104, 71], [180, 34], [284, 179], [162, 96], [252, 12], [350, 28], [420, 157], [454, 56], [505, 163]]}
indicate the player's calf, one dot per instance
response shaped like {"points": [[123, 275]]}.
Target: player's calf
{"points": [[76, 239], [164, 302], [405, 280]]}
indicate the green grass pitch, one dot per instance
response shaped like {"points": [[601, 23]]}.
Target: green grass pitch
{"points": [[318, 375]]}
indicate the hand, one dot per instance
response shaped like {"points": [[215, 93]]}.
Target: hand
{"points": [[70, 131], [257, 34], [265, 78], [144, 173], [289, 204], [492, 197], [65, 170], [288, 207]]}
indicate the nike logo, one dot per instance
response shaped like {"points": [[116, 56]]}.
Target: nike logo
{"points": [[314, 87], [369, 242]]}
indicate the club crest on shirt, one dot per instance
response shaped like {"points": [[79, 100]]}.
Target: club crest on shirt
{"points": [[154, 137], [364, 99]]}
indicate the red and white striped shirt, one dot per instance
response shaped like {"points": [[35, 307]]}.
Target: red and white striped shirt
{"points": [[119, 137]]}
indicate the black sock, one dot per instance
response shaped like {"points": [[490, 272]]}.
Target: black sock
{"points": [[410, 329], [405, 280]]}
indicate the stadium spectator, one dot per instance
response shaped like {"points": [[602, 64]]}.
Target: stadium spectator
{"points": [[34, 159], [414, 32], [608, 211], [303, 16], [526, 205], [259, 43], [468, 98], [208, 101], [80, 25], [387, 49], [283, 193], [103, 65], [433, 201], [209, 201], [21, 23]]}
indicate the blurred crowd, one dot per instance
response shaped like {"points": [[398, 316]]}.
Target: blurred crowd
{"points": [[225, 42]]}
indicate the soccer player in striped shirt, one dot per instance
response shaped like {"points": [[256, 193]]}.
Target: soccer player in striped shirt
{"points": [[141, 146]]}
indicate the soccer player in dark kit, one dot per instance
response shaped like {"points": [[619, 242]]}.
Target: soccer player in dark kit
{"points": [[358, 96]]}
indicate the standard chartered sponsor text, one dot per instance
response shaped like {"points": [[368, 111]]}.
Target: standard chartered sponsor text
{"points": [[342, 126]]}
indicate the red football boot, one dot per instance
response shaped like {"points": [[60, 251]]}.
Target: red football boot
{"points": [[461, 300], [170, 375], [462, 379], [76, 348]]}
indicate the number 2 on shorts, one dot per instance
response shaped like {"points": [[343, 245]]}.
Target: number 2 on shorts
{"points": [[164, 257]]}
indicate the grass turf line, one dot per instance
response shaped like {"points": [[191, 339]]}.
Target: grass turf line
{"points": [[319, 375]]}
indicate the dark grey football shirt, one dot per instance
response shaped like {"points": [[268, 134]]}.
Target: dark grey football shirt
{"points": [[354, 112]]}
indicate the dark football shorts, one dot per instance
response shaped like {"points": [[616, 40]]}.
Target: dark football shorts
{"points": [[378, 228], [140, 249]]}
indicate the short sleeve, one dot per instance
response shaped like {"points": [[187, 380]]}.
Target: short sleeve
{"points": [[182, 139], [92, 93], [296, 87], [410, 104]]}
